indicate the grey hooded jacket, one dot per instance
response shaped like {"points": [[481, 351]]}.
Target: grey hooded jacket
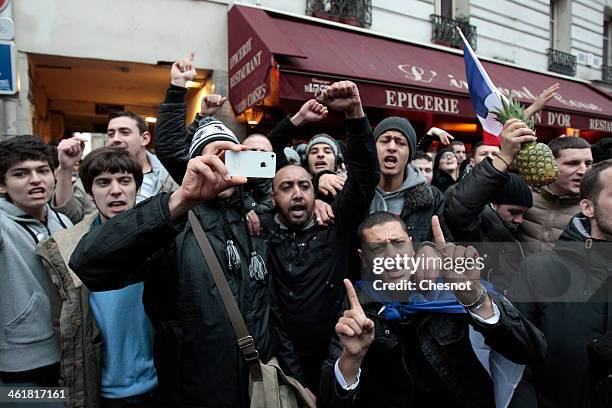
{"points": [[27, 339], [415, 202]]}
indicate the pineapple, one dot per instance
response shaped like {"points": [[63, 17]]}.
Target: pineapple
{"points": [[535, 161]]}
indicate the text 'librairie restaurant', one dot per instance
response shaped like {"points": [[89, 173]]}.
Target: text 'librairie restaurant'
{"points": [[276, 62]]}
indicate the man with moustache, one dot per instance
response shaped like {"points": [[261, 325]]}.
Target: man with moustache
{"points": [[308, 262], [416, 353]]}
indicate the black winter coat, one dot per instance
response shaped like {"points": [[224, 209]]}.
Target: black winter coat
{"points": [[471, 220], [442, 345], [421, 203], [198, 361], [309, 265], [567, 293]]}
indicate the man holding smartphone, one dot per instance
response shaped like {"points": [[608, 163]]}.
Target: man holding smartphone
{"points": [[308, 262]]}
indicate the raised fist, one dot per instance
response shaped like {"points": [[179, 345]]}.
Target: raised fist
{"points": [[343, 96], [211, 104], [182, 71], [311, 111], [69, 152]]}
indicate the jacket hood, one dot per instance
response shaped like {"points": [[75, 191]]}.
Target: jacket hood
{"points": [[578, 230], [15, 213], [576, 239], [413, 178]]}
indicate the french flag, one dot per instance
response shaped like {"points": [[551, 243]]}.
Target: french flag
{"points": [[485, 97]]}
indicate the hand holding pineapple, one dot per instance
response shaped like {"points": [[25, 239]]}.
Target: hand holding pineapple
{"points": [[535, 161], [514, 134]]}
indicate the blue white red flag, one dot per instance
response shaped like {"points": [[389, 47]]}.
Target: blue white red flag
{"points": [[485, 97]]}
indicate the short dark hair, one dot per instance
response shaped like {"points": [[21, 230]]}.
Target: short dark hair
{"points": [[21, 148], [142, 125], [591, 183], [457, 142], [602, 150], [566, 142], [422, 155], [475, 147], [112, 160], [379, 218]]}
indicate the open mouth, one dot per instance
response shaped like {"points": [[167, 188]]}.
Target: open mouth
{"points": [[297, 210], [390, 161], [117, 206], [320, 163], [37, 191]]}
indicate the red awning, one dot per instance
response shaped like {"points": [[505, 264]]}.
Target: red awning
{"points": [[397, 75]]}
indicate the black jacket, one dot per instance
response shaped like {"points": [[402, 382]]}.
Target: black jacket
{"points": [[309, 265], [421, 203], [429, 361], [472, 220], [198, 361], [566, 292], [280, 137], [172, 141], [442, 180]]}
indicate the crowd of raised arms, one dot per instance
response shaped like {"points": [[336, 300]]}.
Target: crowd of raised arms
{"points": [[107, 290]]}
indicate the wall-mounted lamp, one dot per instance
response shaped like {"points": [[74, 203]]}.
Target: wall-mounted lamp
{"points": [[150, 119], [194, 84], [254, 115]]}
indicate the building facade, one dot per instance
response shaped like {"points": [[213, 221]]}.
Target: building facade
{"points": [[77, 60]]}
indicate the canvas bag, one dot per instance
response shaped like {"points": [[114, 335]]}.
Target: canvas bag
{"points": [[269, 386]]}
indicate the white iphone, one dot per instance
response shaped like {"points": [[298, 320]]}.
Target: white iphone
{"points": [[251, 164]]}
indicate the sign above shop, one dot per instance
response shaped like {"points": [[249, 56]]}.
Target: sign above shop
{"points": [[8, 73]]}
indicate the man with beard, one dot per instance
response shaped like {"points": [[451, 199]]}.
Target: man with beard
{"points": [[419, 352], [566, 293], [555, 204], [308, 262], [402, 189], [488, 204]]}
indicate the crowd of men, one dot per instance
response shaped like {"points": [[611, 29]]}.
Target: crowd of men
{"points": [[105, 289]]}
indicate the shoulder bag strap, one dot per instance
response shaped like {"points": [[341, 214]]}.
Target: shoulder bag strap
{"points": [[245, 340]]}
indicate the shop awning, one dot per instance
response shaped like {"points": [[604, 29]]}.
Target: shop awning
{"points": [[391, 74]]}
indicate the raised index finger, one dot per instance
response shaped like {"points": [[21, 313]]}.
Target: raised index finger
{"points": [[352, 296], [437, 233]]}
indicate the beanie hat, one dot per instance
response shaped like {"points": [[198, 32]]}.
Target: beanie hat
{"points": [[292, 156], [403, 126], [210, 130], [515, 192], [323, 138]]}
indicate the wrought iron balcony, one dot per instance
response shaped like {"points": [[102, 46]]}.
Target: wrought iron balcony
{"points": [[606, 73], [444, 31], [561, 62], [354, 12]]}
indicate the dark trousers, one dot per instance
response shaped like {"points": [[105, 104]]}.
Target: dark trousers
{"points": [[146, 400]]}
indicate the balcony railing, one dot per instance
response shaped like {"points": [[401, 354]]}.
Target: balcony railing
{"points": [[606, 73], [561, 62], [444, 32], [354, 12]]}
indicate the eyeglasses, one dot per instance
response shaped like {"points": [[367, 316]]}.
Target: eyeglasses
{"points": [[448, 155]]}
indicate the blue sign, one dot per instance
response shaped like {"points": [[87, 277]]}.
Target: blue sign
{"points": [[8, 83]]}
